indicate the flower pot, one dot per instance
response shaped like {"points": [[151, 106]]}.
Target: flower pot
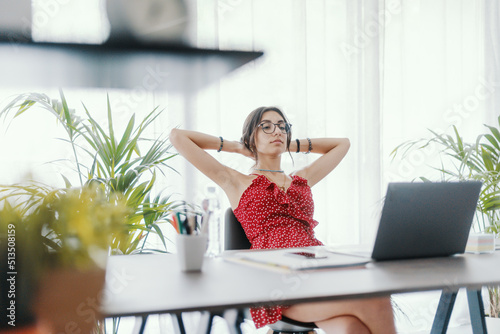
{"points": [[68, 300]]}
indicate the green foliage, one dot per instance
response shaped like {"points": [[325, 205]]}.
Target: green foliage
{"points": [[469, 161], [116, 165]]}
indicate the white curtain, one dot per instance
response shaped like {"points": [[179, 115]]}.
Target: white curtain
{"points": [[324, 90], [492, 57], [377, 72], [436, 74]]}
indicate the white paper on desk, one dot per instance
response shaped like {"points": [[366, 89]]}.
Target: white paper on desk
{"points": [[297, 259], [355, 250]]}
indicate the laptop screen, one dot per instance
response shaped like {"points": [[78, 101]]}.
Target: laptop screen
{"points": [[425, 219]]}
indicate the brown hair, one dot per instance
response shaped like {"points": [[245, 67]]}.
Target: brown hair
{"points": [[252, 122]]}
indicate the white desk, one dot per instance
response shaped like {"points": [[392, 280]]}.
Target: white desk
{"points": [[138, 285]]}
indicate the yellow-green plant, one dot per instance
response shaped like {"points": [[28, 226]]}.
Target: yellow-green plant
{"points": [[116, 163], [75, 225], [45, 229]]}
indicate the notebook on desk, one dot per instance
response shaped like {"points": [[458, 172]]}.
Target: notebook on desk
{"points": [[425, 220], [296, 259]]}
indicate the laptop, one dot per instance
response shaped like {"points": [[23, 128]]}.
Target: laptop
{"points": [[425, 220]]}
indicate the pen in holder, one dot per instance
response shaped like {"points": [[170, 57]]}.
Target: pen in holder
{"points": [[191, 244]]}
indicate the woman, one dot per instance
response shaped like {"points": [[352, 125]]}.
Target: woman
{"points": [[276, 209]]}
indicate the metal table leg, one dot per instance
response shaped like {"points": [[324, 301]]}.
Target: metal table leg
{"points": [[443, 313], [178, 323], [143, 324], [445, 307], [476, 311]]}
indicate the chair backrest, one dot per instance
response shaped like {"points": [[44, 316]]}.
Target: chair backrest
{"points": [[234, 235]]}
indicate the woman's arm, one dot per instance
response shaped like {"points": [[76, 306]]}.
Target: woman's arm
{"points": [[333, 151], [192, 145]]}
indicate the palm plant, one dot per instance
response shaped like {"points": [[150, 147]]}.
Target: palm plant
{"points": [[116, 163], [470, 161]]}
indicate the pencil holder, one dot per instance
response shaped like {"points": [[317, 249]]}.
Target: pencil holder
{"points": [[191, 251]]}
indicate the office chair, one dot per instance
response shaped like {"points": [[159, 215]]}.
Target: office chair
{"points": [[235, 238]]}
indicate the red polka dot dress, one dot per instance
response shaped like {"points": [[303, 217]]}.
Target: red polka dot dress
{"points": [[273, 218]]}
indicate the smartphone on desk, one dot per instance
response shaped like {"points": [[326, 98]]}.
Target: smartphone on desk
{"points": [[307, 255]]}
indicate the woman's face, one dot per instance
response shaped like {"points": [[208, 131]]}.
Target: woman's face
{"points": [[274, 141]]}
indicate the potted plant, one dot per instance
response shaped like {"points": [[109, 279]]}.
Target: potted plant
{"points": [[464, 161], [101, 156], [116, 164], [64, 236]]}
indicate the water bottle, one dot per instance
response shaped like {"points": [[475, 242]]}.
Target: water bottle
{"points": [[211, 205]]}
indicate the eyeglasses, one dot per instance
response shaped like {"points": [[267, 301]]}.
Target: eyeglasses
{"points": [[268, 127]]}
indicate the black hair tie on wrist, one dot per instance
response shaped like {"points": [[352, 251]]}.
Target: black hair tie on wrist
{"points": [[298, 145], [221, 144], [310, 146]]}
